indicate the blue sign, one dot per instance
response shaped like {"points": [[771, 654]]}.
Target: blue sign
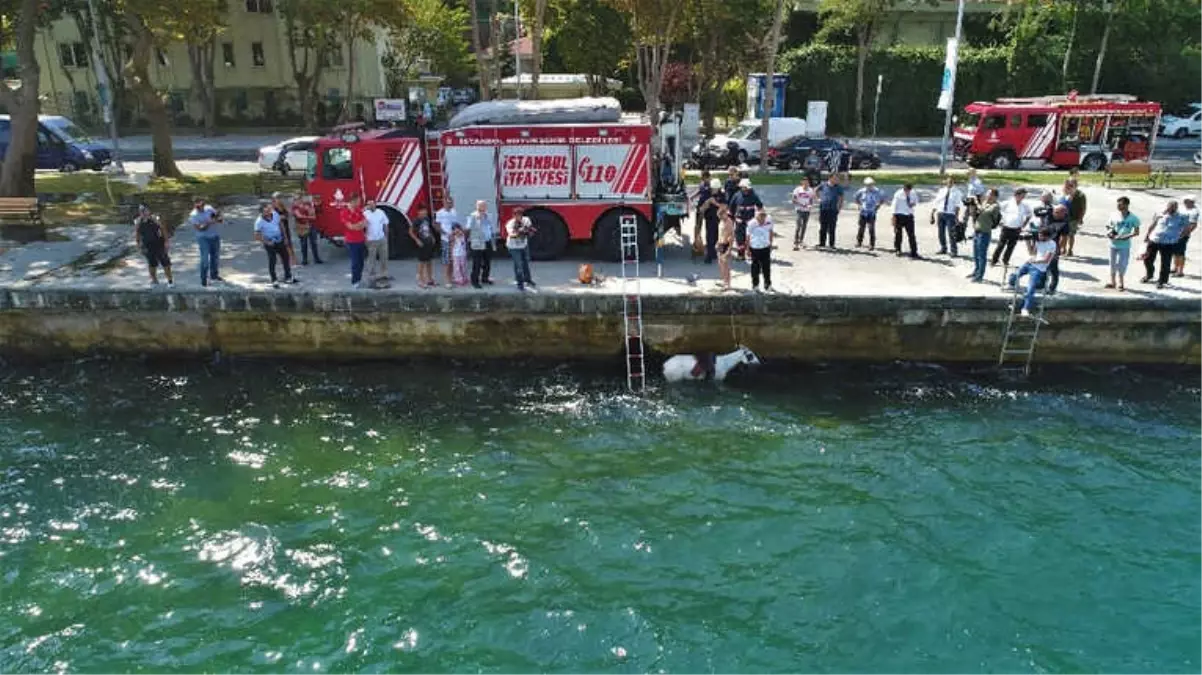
{"points": [[780, 84]]}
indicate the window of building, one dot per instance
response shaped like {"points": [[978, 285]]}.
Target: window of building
{"points": [[337, 164], [161, 57], [332, 57], [259, 6], [73, 54], [1037, 120], [5, 132], [256, 55], [227, 54]]}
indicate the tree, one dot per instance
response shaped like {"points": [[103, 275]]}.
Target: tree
{"points": [[656, 24], [1074, 7], [431, 31], [536, 44], [137, 78], [357, 20], [20, 160], [778, 20], [597, 39], [723, 36], [482, 68], [310, 32], [862, 19], [199, 24]]}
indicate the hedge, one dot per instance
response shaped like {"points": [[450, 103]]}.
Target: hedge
{"points": [[823, 72]]}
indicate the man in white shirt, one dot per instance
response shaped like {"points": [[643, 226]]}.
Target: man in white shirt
{"points": [[904, 201], [759, 239], [1015, 215], [1034, 269], [447, 220], [947, 212], [517, 239], [376, 235]]}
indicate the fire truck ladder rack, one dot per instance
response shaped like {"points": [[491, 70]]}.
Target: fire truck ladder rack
{"points": [[1083, 98], [1021, 334], [435, 174], [632, 303]]}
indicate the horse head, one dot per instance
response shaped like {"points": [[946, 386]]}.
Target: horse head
{"points": [[748, 357]]}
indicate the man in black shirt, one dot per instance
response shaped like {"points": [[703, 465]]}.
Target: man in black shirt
{"points": [[152, 242], [743, 207]]}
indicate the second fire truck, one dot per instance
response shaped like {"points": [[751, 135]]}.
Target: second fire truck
{"points": [[574, 180], [1065, 131]]}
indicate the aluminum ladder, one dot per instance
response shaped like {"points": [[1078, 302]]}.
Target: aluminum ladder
{"points": [[632, 303], [1021, 334]]}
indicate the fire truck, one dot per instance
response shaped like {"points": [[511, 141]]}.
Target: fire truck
{"points": [[574, 180], [1063, 131]]}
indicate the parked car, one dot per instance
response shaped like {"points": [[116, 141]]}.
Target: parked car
{"points": [[791, 153], [1188, 123], [747, 137], [61, 145], [294, 159]]}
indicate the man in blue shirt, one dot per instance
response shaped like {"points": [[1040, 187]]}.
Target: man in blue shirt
{"points": [[869, 199], [1163, 237], [206, 220], [830, 200], [269, 232]]}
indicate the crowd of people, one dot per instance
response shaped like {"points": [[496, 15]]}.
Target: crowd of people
{"points": [[446, 235], [731, 221]]}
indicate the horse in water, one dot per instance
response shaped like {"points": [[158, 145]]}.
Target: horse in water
{"points": [[686, 367]]}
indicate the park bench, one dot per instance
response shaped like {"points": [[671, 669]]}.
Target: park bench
{"points": [[1154, 178], [27, 209], [268, 182]]}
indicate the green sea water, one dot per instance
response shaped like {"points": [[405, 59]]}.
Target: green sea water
{"points": [[429, 518]]}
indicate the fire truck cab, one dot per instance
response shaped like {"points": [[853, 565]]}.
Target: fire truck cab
{"points": [[1063, 131], [574, 180]]}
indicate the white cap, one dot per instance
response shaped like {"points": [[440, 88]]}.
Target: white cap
{"points": [[869, 181], [745, 183]]}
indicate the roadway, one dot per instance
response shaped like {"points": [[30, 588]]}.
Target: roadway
{"points": [[238, 154]]}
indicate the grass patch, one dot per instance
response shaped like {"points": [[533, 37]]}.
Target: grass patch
{"points": [[73, 214], [209, 185]]}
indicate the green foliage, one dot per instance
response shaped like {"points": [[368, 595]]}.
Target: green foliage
{"points": [[593, 39], [433, 31]]}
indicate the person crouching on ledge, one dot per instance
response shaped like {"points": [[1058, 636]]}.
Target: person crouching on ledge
{"points": [[1034, 269]]}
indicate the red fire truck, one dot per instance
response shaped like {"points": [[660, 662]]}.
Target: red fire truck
{"points": [[573, 180], [1064, 131]]}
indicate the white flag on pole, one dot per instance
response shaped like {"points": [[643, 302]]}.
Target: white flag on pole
{"points": [[949, 75]]}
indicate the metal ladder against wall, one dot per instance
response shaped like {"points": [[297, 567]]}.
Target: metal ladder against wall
{"points": [[1021, 333], [632, 303]]}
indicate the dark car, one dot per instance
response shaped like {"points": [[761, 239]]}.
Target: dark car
{"points": [[791, 153]]}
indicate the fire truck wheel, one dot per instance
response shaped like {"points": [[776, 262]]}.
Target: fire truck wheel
{"points": [[607, 237], [550, 237], [400, 244], [1003, 159], [1093, 162]]}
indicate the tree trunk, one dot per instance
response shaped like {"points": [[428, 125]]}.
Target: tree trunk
{"points": [[1097, 65], [1068, 49], [482, 71], [20, 161], [348, 105], [137, 76], [769, 76], [863, 42], [536, 46], [495, 40], [200, 58]]}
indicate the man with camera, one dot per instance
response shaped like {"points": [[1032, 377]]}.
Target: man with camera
{"points": [[518, 231]]}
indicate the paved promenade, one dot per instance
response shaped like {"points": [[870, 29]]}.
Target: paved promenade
{"points": [[97, 257]]}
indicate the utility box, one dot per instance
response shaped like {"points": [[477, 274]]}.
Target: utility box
{"points": [[756, 86], [816, 119]]}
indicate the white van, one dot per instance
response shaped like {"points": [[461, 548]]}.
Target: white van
{"points": [[747, 135]]}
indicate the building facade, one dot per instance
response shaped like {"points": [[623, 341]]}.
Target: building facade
{"points": [[252, 74]]}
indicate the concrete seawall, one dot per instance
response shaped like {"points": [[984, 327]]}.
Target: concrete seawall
{"points": [[45, 322]]}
